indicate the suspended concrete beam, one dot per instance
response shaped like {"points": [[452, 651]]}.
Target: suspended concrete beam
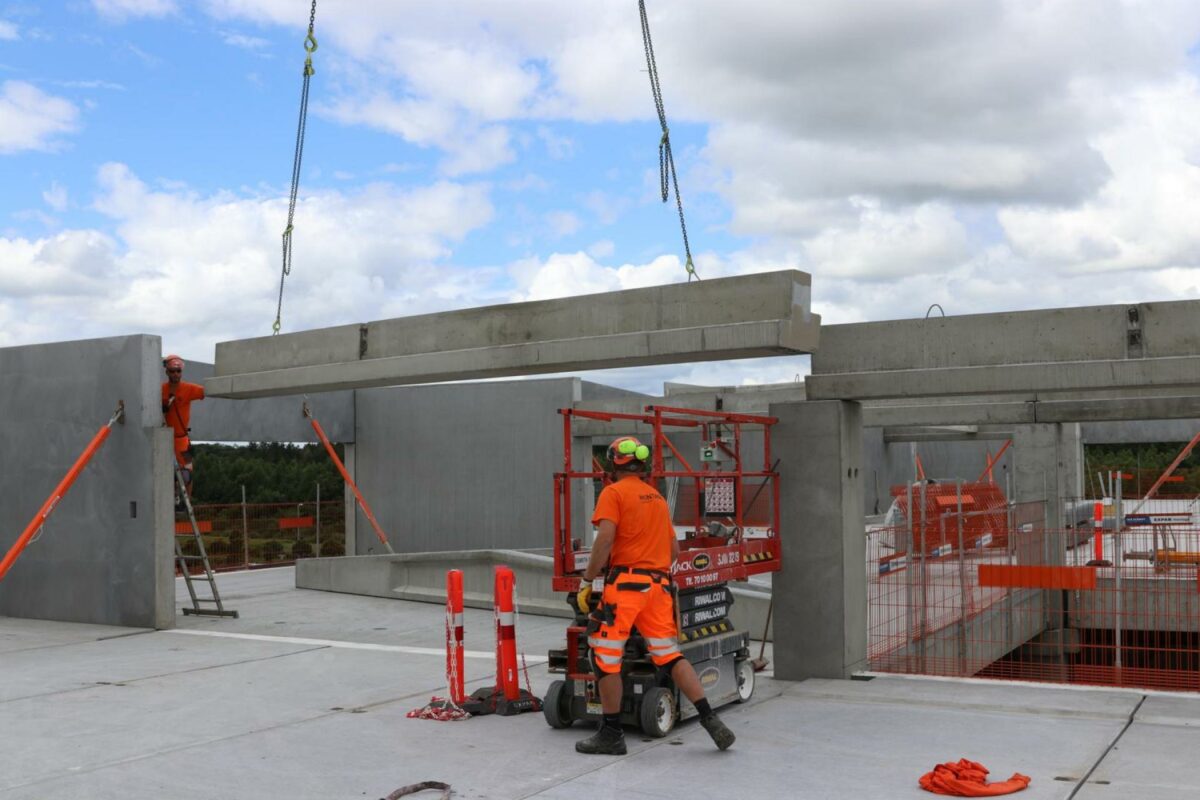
{"points": [[767, 314]]}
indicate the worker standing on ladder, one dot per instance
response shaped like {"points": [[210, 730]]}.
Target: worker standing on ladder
{"points": [[636, 546], [177, 397]]}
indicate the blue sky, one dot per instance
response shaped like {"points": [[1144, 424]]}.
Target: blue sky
{"points": [[989, 155]]}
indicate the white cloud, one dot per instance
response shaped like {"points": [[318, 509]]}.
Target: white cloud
{"points": [[30, 119], [1148, 214], [561, 223], [56, 197], [557, 147], [122, 9], [203, 268], [8, 31], [601, 249], [889, 244], [252, 43]]}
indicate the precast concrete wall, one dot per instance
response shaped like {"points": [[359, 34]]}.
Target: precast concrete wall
{"points": [[267, 419], [104, 555], [461, 466]]}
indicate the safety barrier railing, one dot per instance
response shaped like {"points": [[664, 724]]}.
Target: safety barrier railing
{"points": [[251, 535], [1115, 603]]}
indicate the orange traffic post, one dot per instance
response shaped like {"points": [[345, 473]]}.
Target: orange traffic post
{"points": [[337, 462], [59, 492], [1098, 526], [454, 636], [506, 635]]}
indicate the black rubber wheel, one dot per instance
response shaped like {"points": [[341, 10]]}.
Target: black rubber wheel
{"points": [[658, 713], [745, 680], [556, 707]]}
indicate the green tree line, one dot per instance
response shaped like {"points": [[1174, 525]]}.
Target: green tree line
{"points": [[271, 473], [1145, 462]]}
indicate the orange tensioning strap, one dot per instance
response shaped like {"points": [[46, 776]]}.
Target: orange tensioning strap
{"points": [[966, 778], [337, 462], [1021, 577], [47, 508]]}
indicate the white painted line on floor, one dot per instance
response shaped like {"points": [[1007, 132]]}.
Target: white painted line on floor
{"points": [[383, 648]]}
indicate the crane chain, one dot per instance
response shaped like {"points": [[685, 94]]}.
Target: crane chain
{"points": [[310, 47], [667, 176]]}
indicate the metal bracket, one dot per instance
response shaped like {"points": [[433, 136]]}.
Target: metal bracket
{"points": [[1133, 333]]}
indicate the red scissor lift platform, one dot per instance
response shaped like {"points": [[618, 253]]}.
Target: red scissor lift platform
{"points": [[728, 531]]}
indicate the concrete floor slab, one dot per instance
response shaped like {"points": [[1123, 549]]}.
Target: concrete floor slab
{"points": [[250, 708]]}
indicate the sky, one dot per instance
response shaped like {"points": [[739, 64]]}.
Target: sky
{"points": [[984, 155]]}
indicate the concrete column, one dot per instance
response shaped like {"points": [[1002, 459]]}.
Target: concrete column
{"points": [[1048, 465], [351, 506], [820, 595]]}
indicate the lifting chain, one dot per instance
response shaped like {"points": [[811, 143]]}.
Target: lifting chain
{"points": [[666, 161], [310, 47]]}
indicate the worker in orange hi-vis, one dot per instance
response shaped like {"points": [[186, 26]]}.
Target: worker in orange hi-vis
{"points": [[177, 397], [635, 548]]}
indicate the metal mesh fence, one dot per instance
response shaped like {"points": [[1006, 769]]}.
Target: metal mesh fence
{"points": [[1112, 599], [245, 536]]}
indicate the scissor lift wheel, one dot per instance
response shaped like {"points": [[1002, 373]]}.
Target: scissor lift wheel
{"points": [[745, 680], [556, 706], [658, 713]]}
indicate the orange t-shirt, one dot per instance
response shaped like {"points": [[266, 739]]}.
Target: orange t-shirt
{"points": [[179, 414], [643, 521]]}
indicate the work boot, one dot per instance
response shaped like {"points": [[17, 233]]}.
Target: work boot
{"points": [[605, 742], [721, 735]]}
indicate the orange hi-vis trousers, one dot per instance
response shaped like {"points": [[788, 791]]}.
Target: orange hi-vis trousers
{"points": [[631, 599]]}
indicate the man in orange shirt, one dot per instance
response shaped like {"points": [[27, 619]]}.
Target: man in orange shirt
{"points": [[636, 544], [177, 397]]}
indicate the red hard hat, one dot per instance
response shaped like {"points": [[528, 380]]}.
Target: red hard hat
{"points": [[172, 361], [625, 449]]}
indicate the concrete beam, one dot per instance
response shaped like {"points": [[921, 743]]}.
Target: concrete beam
{"points": [[1112, 409], [1181, 372], [766, 314], [1059, 335]]}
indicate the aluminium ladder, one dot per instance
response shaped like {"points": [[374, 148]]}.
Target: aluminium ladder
{"points": [[213, 607]]}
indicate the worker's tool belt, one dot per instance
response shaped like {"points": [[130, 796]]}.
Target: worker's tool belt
{"points": [[656, 574]]}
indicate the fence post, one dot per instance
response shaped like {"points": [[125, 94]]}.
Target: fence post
{"points": [[245, 531], [318, 553]]}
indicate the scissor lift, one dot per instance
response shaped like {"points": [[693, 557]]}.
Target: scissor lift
{"points": [[729, 533]]}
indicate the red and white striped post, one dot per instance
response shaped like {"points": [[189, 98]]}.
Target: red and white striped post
{"points": [[1098, 531], [506, 634], [454, 636]]}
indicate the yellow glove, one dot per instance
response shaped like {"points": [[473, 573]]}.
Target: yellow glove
{"points": [[583, 598]]}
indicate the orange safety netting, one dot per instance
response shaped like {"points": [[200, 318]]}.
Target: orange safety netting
{"points": [[969, 779]]}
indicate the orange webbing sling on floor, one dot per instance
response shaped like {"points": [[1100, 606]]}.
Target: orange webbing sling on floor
{"points": [[969, 779]]}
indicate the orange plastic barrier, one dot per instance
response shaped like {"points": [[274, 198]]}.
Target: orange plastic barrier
{"points": [[454, 636], [506, 634], [969, 779], [1019, 577], [1098, 528], [205, 526], [287, 523], [337, 462], [59, 492]]}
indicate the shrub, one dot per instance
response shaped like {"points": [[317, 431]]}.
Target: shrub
{"points": [[272, 551], [302, 550], [332, 548]]}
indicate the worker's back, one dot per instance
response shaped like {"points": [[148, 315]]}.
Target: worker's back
{"points": [[643, 521]]}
